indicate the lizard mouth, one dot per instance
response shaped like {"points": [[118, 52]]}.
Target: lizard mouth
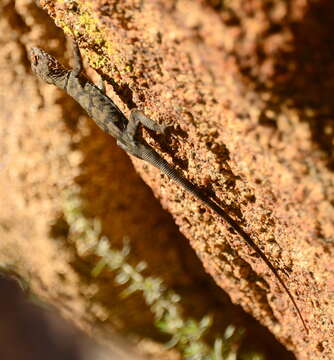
{"points": [[34, 56], [45, 66], [34, 59]]}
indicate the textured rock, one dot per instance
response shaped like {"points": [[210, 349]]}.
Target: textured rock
{"points": [[248, 91]]}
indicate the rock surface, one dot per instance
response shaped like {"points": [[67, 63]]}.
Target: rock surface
{"points": [[247, 90]]}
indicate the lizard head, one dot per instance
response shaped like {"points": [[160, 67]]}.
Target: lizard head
{"points": [[46, 66]]}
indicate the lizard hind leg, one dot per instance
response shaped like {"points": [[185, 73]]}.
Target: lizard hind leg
{"points": [[138, 117]]}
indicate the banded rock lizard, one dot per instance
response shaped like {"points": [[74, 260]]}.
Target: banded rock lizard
{"points": [[112, 121]]}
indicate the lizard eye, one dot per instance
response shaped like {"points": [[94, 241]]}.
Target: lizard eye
{"points": [[34, 59]]}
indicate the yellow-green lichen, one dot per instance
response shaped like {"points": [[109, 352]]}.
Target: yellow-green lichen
{"points": [[65, 27], [128, 68], [95, 60], [90, 25], [85, 25]]}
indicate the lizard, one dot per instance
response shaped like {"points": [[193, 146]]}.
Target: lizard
{"points": [[110, 119]]}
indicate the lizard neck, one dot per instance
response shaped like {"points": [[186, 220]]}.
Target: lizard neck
{"points": [[60, 79]]}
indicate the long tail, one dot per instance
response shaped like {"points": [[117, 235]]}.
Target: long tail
{"points": [[156, 160]]}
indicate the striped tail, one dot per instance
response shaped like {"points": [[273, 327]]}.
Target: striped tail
{"points": [[151, 156]]}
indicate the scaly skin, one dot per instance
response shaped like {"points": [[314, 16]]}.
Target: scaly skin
{"points": [[111, 120]]}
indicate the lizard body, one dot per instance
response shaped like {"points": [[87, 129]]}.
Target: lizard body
{"points": [[111, 120]]}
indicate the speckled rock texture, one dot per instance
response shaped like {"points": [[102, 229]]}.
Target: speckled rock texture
{"points": [[48, 144], [247, 89]]}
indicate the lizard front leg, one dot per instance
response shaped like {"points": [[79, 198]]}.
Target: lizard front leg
{"points": [[77, 60], [78, 66], [101, 84]]}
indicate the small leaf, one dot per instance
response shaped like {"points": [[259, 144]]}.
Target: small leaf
{"points": [[96, 271], [122, 278]]}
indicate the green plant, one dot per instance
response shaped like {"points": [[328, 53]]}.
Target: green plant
{"points": [[187, 334]]}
